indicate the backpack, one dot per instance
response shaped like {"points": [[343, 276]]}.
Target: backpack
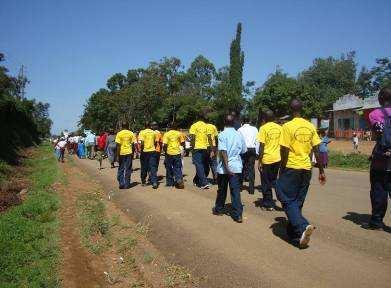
{"points": [[385, 141]]}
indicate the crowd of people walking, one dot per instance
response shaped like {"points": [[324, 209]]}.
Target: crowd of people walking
{"points": [[284, 154]]}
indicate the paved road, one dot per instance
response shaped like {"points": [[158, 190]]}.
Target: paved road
{"points": [[256, 253]]}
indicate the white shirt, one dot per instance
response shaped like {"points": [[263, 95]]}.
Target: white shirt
{"points": [[61, 144], [249, 134]]}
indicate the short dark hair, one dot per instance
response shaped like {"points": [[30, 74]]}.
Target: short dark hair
{"points": [[229, 120], [296, 105], [384, 96], [124, 125], [268, 115]]}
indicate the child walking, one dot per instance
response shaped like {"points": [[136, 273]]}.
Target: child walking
{"points": [[323, 149]]}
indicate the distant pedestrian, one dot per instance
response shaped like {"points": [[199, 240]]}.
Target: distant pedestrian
{"points": [[100, 148], [323, 149], [249, 133], [269, 137], [380, 171], [355, 142], [147, 138], [81, 151], [125, 146], [111, 148], [229, 168], [200, 142], [173, 140], [60, 148], [90, 144], [299, 137]]}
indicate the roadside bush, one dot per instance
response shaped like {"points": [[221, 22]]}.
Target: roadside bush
{"points": [[350, 161]]}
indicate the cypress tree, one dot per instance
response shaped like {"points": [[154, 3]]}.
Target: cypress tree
{"points": [[236, 71]]}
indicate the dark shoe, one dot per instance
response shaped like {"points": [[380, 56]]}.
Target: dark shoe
{"points": [[238, 220], [121, 187], [215, 212], [179, 185], [371, 226], [154, 185]]}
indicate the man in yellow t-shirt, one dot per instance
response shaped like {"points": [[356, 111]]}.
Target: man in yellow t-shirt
{"points": [[147, 137], [125, 147], [299, 138], [158, 144], [269, 157], [212, 153], [172, 142], [199, 143]]}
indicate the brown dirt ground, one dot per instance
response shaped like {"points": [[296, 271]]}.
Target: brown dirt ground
{"points": [[142, 267], [346, 146], [10, 190]]}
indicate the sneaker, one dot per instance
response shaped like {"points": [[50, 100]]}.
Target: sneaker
{"points": [[305, 237], [154, 186], [215, 212], [371, 226], [207, 186], [179, 185], [238, 220]]}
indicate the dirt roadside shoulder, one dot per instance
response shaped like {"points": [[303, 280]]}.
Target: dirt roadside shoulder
{"points": [[101, 246]]}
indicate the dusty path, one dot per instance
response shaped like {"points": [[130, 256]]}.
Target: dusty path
{"points": [[255, 253]]}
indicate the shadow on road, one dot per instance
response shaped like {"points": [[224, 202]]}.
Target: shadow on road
{"points": [[258, 204], [362, 220], [279, 229]]}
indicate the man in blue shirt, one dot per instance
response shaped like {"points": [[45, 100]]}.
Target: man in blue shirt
{"points": [[229, 168]]}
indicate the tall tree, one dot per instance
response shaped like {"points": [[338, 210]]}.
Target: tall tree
{"points": [[235, 99], [372, 80]]}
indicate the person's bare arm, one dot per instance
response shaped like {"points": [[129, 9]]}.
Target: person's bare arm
{"points": [[118, 150], [261, 150], [225, 161], [192, 141], [322, 176], [284, 151]]}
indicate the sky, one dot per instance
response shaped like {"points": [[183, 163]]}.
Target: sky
{"points": [[70, 47]]}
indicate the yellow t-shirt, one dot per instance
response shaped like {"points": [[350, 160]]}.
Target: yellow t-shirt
{"points": [[269, 134], [200, 132], [125, 138], [173, 140], [148, 136], [212, 131], [299, 135]]}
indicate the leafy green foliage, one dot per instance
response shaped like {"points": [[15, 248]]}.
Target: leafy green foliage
{"points": [[29, 232], [23, 122], [350, 161]]}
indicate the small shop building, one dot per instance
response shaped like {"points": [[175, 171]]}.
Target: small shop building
{"points": [[350, 115]]}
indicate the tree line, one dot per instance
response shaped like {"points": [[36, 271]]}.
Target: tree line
{"points": [[23, 122], [165, 91]]}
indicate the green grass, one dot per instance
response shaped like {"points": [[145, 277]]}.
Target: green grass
{"points": [[93, 221], [354, 161], [29, 232], [5, 170]]}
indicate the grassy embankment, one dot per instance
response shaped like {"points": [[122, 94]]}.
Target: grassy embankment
{"points": [[29, 232], [351, 161]]}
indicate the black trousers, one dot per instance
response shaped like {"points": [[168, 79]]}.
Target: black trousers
{"points": [[268, 180], [380, 191], [248, 172]]}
